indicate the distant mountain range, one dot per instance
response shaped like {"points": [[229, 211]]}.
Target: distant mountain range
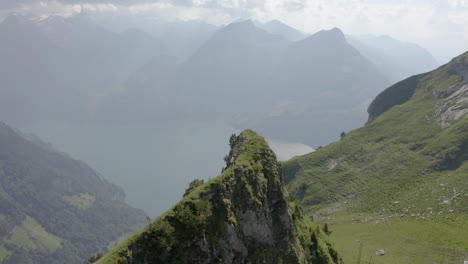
{"points": [[54, 209], [91, 88], [59, 68], [272, 82], [180, 38], [252, 78], [397, 59], [91, 73], [279, 28]]}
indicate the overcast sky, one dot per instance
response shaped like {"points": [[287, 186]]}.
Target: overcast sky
{"points": [[441, 26]]}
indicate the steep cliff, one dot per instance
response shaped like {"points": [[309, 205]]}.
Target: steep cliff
{"points": [[243, 216]]}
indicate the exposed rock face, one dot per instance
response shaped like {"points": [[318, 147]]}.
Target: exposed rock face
{"points": [[454, 102], [453, 107], [243, 216]]}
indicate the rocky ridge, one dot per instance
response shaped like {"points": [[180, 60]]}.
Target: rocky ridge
{"points": [[243, 216]]}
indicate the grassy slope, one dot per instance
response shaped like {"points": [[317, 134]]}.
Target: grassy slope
{"points": [[55, 209], [31, 235], [81, 200], [256, 144], [4, 253], [390, 184]]}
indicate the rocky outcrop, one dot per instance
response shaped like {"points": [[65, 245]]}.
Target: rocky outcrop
{"points": [[453, 107], [242, 216], [454, 100]]}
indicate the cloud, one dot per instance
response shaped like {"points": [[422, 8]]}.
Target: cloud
{"points": [[12, 4], [427, 22], [292, 6], [458, 3]]}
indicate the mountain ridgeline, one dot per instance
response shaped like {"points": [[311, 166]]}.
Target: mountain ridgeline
{"points": [[399, 182], [243, 216], [70, 64], [286, 83], [112, 91], [397, 59], [54, 209], [132, 76]]}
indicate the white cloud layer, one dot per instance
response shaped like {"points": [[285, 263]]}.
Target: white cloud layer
{"points": [[439, 25]]}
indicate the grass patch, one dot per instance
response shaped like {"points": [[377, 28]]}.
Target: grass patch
{"points": [[30, 235], [404, 241], [4, 254], [82, 201], [115, 243]]}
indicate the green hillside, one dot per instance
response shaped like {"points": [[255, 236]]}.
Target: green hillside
{"points": [[400, 183], [54, 209], [242, 216]]}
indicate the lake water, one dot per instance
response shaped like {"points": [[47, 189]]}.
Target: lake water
{"points": [[152, 163]]}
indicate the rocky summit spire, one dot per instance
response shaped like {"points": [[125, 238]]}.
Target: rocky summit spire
{"points": [[242, 216]]}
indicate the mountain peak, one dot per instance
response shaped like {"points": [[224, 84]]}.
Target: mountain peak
{"points": [[241, 24], [241, 35], [236, 30], [227, 219], [332, 34], [276, 22], [279, 28]]}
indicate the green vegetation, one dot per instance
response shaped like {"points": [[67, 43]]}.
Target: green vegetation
{"points": [[94, 258], [119, 240], [242, 215], [30, 235], [405, 241], [4, 253], [81, 200], [398, 183], [55, 209], [194, 184]]}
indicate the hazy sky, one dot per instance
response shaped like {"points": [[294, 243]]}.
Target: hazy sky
{"points": [[441, 26]]}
